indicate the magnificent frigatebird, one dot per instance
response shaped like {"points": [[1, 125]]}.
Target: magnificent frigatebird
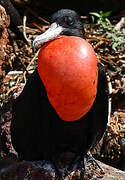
{"points": [[38, 131]]}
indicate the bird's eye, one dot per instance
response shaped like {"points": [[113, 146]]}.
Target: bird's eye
{"points": [[69, 20]]}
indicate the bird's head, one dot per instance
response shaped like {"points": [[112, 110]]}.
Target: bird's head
{"points": [[63, 22]]}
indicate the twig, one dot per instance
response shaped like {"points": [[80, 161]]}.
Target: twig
{"points": [[97, 38], [40, 18], [10, 90], [24, 29], [24, 74], [42, 29], [30, 30], [99, 44], [19, 72], [110, 99], [45, 21]]}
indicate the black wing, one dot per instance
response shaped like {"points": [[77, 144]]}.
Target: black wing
{"points": [[98, 115], [28, 112]]}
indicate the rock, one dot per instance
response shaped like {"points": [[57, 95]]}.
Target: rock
{"points": [[28, 170], [4, 23], [24, 170], [112, 173]]}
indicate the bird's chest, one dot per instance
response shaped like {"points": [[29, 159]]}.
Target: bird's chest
{"points": [[69, 136]]}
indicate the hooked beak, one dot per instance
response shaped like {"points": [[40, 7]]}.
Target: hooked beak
{"points": [[53, 32]]}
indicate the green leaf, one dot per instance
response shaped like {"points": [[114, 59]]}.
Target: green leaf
{"points": [[95, 14], [106, 14], [93, 19], [115, 44], [113, 36], [123, 31], [107, 20]]}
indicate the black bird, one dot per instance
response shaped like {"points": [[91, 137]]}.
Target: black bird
{"points": [[37, 131]]}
